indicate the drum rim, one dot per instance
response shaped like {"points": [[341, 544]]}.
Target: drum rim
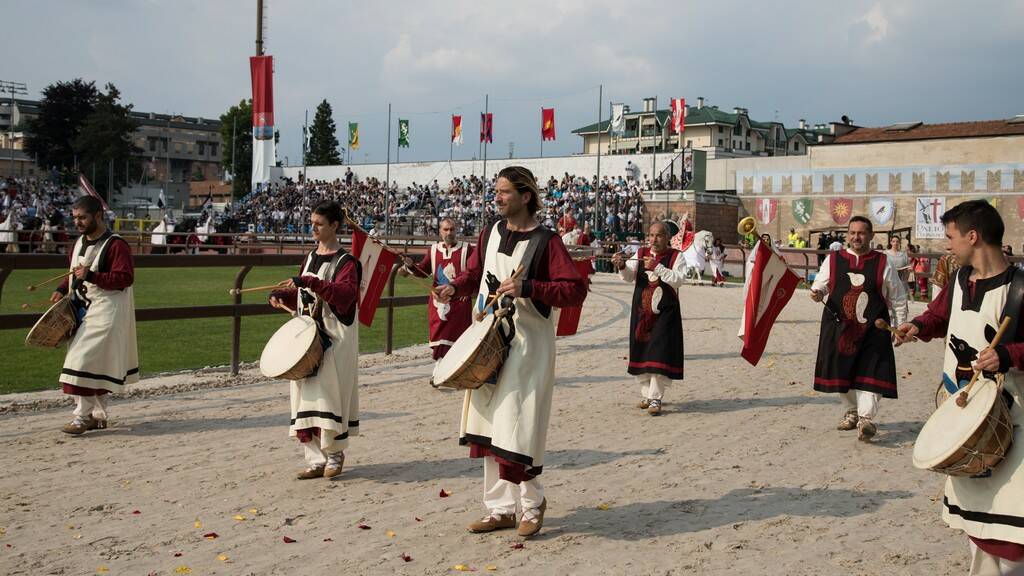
{"points": [[306, 321], [978, 389], [64, 301], [441, 374]]}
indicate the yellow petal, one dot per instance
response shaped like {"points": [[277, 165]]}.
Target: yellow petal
{"points": [[490, 567], [239, 517], [390, 534], [223, 557], [182, 570], [461, 568], [770, 364], [77, 536], [253, 511], [102, 569], [602, 506], [198, 524]]}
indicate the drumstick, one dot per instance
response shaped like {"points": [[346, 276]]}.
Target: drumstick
{"points": [[483, 312], [28, 305], [237, 291], [32, 287], [961, 400], [883, 325]]}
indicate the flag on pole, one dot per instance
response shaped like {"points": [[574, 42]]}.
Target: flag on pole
{"points": [[403, 133], [569, 317], [618, 121], [457, 130], [264, 154], [353, 135], [547, 123], [769, 286], [86, 188], [487, 127], [161, 201], [376, 262], [678, 115]]}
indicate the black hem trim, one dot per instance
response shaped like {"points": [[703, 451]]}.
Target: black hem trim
{"points": [[984, 517], [658, 371], [104, 377], [318, 414], [499, 452]]}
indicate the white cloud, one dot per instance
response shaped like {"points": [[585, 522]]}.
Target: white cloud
{"points": [[877, 23]]}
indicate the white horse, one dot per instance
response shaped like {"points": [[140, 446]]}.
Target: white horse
{"points": [[697, 255]]}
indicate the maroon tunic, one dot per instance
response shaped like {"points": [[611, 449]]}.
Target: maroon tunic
{"points": [[553, 282], [116, 272], [444, 333]]}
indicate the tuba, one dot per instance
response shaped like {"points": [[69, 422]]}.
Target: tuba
{"points": [[747, 226]]}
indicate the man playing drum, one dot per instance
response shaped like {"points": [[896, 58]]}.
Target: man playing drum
{"points": [[506, 422], [656, 323], [446, 260], [103, 354], [990, 509], [325, 405], [855, 358]]}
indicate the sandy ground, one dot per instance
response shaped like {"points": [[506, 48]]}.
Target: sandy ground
{"points": [[744, 474]]}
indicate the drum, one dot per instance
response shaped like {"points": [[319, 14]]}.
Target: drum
{"points": [[54, 327], [967, 441], [294, 351], [476, 357]]}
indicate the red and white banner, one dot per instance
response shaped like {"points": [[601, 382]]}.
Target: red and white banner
{"points": [[263, 154], [769, 286], [376, 262], [569, 317], [487, 127], [86, 188], [457, 130], [678, 115]]}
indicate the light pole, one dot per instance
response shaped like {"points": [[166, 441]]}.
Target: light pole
{"points": [[13, 88]]}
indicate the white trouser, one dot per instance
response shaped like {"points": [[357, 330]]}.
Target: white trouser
{"points": [[501, 496], [652, 386], [985, 564], [317, 456], [95, 406], [864, 402]]}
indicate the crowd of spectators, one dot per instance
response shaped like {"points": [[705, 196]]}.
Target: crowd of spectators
{"points": [[28, 204]]}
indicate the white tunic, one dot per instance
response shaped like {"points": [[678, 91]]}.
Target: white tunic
{"points": [[329, 399], [103, 353], [991, 507], [511, 417]]}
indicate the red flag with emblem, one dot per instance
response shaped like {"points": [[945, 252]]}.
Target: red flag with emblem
{"points": [[769, 286], [547, 123], [376, 262]]}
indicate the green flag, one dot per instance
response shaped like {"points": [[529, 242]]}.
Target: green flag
{"points": [[403, 133], [802, 210], [353, 136]]}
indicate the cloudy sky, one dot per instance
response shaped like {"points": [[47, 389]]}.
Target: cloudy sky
{"points": [[878, 62]]}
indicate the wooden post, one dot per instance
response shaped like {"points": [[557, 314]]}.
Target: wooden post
{"points": [[389, 327], [236, 330]]}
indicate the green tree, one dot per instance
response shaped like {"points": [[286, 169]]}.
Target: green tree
{"points": [[323, 143], [236, 124], [105, 141], [62, 112]]}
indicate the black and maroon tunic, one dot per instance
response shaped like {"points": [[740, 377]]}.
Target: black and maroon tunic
{"points": [[656, 337], [853, 353]]}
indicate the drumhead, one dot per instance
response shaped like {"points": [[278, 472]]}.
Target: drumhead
{"points": [[59, 307], [950, 426], [287, 346], [462, 350]]}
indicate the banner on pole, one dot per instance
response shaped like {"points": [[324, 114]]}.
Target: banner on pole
{"points": [[457, 130], [547, 123], [403, 133], [263, 153], [353, 135], [487, 127]]}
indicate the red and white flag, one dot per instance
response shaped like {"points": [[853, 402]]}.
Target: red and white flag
{"points": [[376, 262], [457, 130], [86, 188], [678, 115], [769, 286]]}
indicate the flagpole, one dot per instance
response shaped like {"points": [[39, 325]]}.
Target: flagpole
{"points": [[387, 180], [305, 139], [483, 189], [542, 132], [597, 186], [451, 143]]}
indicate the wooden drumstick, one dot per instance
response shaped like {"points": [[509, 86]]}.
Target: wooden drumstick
{"points": [[33, 287], [482, 313], [883, 325], [237, 291], [28, 305], [961, 399]]}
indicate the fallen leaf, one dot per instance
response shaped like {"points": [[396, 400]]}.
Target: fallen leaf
{"points": [[328, 539], [210, 535], [182, 570], [198, 524], [390, 534], [406, 557], [603, 506], [444, 494], [288, 540], [102, 570], [517, 546], [364, 527], [223, 558], [177, 554], [239, 517]]}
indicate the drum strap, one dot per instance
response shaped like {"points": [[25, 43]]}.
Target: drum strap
{"points": [[1014, 299]]}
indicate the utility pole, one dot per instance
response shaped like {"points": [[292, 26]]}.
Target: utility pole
{"points": [[13, 88]]}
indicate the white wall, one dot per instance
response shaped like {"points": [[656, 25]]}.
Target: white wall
{"points": [[425, 172]]}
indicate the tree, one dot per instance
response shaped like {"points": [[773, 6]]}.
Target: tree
{"points": [[323, 143], [236, 124], [105, 141], [62, 111]]}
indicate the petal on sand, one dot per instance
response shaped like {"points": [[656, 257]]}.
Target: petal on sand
{"points": [[288, 540]]}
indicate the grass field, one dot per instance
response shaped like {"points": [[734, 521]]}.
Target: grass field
{"points": [[172, 345]]}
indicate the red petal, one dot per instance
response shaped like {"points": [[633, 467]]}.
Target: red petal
{"points": [[136, 512], [444, 494], [418, 520], [517, 546], [364, 527], [328, 539], [210, 535], [406, 557], [288, 540], [177, 554]]}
